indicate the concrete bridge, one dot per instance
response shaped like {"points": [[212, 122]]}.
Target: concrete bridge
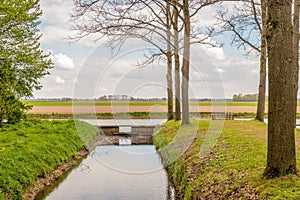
{"points": [[140, 130], [115, 134]]}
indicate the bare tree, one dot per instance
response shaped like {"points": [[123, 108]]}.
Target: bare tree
{"points": [[176, 30], [248, 23], [169, 60], [260, 113], [189, 9], [281, 157], [150, 21], [186, 63]]}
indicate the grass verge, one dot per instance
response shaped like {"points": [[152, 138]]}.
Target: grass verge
{"points": [[34, 148], [232, 170]]}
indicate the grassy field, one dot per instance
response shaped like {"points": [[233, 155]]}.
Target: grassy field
{"points": [[233, 170], [34, 148], [134, 103]]}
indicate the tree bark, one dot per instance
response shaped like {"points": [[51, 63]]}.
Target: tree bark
{"points": [[170, 87], [169, 65], [260, 114], [281, 158], [186, 64], [177, 64], [296, 51]]}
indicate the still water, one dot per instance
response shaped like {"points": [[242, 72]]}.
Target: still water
{"points": [[116, 172]]}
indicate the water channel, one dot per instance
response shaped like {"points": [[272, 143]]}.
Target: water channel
{"points": [[115, 172]]}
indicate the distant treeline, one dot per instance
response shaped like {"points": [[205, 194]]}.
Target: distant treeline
{"points": [[236, 97], [131, 99], [246, 97]]}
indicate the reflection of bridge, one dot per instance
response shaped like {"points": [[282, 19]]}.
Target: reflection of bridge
{"points": [[138, 134]]}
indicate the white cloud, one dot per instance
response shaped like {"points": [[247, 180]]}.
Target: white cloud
{"points": [[59, 80], [206, 16], [56, 11], [219, 70], [56, 25], [53, 34], [215, 53], [239, 74], [63, 62], [255, 71]]}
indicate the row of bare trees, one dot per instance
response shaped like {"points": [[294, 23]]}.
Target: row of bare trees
{"points": [[165, 25], [247, 23], [269, 28]]}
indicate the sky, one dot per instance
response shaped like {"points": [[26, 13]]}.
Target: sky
{"points": [[87, 69]]}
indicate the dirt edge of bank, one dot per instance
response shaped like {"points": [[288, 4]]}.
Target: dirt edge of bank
{"points": [[41, 183]]}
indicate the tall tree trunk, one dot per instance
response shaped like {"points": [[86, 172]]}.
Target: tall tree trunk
{"points": [[186, 64], [169, 65], [281, 157], [296, 51], [177, 64], [260, 114], [170, 86]]}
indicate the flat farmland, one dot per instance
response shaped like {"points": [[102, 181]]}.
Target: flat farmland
{"points": [[48, 107], [131, 103], [95, 103]]}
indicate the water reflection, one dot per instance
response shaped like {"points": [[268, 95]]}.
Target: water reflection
{"points": [[116, 172]]}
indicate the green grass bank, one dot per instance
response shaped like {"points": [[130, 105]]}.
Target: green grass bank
{"points": [[232, 170], [34, 148]]}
